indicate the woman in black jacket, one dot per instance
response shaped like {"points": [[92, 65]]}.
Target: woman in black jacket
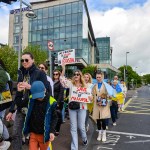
{"points": [[59, 96], [27, 74]]}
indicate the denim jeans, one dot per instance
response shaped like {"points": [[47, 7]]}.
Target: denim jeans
{"points": [[5, 130], [17, 131], [77, 120]]}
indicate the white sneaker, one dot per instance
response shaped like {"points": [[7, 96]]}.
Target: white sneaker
{"points": [[106, 127], [99, 136], [114, 124], [5, 146], [87, 128], [104, 136]]}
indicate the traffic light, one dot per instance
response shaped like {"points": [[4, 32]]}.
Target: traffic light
{"points": [[8, 1]]}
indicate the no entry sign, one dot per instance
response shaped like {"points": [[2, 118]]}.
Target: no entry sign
{"points": [[50, 45]]}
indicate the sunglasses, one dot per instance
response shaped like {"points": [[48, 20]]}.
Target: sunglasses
{"points": [[76, 74], [41, 68], [55, 74], [24, 60]]}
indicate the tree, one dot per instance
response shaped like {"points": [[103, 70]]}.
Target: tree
{"points": [[90, 69], [130, 75], [146, 78], [39, 54], [10, 58]]}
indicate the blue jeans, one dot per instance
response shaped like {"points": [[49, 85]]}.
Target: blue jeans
{"points": [[77, 120], [5, 130]]}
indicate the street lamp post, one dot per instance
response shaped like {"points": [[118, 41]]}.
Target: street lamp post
{"points": [[30, 14], [126, 70]]}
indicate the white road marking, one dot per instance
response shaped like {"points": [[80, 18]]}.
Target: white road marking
{"points": [[103, 147], [126, 133], [140, 141], [131, 137]]}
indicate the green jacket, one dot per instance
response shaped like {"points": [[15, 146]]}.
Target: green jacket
{"points": [[3, 79]]}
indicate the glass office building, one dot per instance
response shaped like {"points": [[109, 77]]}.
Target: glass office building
{"points": [[65, 25], [103, 45]]}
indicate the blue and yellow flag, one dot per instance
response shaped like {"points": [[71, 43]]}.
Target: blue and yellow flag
{"points": [[50, 146]]}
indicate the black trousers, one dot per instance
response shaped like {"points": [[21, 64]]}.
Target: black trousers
{"points": [[101, 124]]}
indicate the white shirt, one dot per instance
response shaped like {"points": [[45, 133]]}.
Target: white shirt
{"points": [[49, 79]]}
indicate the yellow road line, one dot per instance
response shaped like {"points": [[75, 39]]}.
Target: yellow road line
{"points": [[135, 113], [127, 103]]}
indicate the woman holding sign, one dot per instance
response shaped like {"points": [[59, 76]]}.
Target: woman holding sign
{"points": [[77, 106]]}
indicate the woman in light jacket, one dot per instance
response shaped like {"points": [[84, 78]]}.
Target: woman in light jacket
{"points": [[100, 113]]}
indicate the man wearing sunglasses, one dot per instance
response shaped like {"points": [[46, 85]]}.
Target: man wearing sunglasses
{"points": [[27, 74]]}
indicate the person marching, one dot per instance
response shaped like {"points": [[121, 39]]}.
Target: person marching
{"points": [[88, 81], [41, 117], [77, 110], [101, 109], [27, 74]]}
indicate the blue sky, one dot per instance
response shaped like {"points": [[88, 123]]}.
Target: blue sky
{"points": [[126, 22]]}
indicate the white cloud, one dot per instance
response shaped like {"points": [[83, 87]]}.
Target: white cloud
{"points": [[129, 31]]}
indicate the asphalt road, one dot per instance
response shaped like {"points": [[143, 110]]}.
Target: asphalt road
{"points": [[133, 126], [131, 133]]}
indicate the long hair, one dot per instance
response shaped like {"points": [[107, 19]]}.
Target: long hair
{"points": [[81, 79], [90, 77], [58, 73]]}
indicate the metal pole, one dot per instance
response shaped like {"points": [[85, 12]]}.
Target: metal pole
{"points": [[124, 74], [20, 31], [50, 61]]}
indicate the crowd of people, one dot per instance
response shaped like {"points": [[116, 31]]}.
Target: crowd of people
{"points": [[41, 104]]}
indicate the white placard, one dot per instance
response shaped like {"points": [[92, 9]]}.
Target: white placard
{"points": [[66, 57], [80, 94]]}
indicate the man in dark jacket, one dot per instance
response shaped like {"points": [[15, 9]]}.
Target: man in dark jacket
{"points": [[27, 74]]}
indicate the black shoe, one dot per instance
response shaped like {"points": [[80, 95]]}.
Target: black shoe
{"points": [[56, 133], [85, 142]]}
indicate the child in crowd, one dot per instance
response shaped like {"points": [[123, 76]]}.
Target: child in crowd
{"points": [[41, 117]]}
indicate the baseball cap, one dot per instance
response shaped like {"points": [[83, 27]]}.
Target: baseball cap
{"points": [[37, 90]]}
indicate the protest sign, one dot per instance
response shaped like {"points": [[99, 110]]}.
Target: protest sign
{"points": [[66, 57], [80, 94]]}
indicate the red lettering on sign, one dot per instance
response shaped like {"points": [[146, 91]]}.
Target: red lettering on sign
{"points": [[81, 89], [79, 99], [68, 60]]}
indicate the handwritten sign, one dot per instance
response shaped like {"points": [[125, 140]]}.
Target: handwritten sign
{"points": [[80, 94], [66, 57]]}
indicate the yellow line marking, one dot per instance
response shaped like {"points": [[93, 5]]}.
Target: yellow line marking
{"points": [[127, 103]]}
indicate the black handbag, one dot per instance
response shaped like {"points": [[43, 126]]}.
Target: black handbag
{"points": [[74, 105]]}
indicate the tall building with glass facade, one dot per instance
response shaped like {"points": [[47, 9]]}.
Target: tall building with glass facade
{"points": [[64, 22], [104, 49]]}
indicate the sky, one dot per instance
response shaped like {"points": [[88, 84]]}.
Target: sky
{"points": [[126, 22]]}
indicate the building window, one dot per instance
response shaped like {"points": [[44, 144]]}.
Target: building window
{"points": [[45, 12], [50, 12], [56, 22], [75, 7], [16, 29], [80, 7], [16, 39], [17, 18], [79, 18], [44, 35], [68, 32], [62, 9], [74, 31], [33, 36], [39, 24], [68, 8], [74, 19], [50, 23], [34, 25], [62, 21], [74, 43], [56, 33], [39, 14], [56, 11], [39, 36], [68, 20], [45, 23], [62, 32], [50, 34], [79, 30], [56, 44]]}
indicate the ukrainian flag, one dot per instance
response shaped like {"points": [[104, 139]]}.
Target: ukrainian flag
{"points": [[50, 146]]}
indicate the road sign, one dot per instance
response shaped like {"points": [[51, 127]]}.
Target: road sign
{"points": [[50, 45]]}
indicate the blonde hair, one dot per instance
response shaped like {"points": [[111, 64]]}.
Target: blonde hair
{"points": [[81, 79], [90, 77]]}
